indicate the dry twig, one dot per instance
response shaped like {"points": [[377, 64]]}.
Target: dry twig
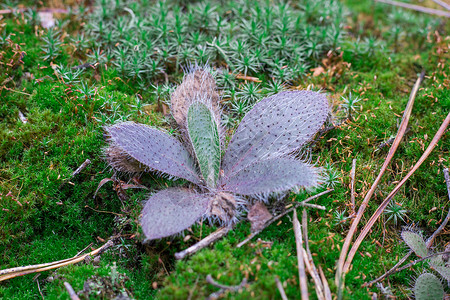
{"points": [[280, 288], [442, 3], [204, 242], [326, 287], [430, 240], [223, 288], [383, 205], [70, 290], [354, 225], [20, 271], [352, 186], [309, 260], [301, 263], [277, 217], [426, 10]]}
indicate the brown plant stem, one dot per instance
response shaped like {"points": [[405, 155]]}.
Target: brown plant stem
{"points": [[280, 289], [70, 290], [309, 260], [429, 241], [352, 185], [426, 10], [20, 271], [383, 205], [204, 242], [354, 225], [301, 263]]}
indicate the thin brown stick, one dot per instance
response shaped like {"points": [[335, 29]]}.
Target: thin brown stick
{"points": [[223, 288], [308, 258], [354, 225], [79, 253], [383, 205], [248, 78], [104, 211], [352, 185], [326, 287], [391, 271], [429, 241], [280, 288], [39, 288], [20, 271], [301, 263], [395, 269], [311, 268], [442, 3], [83, 166], [70, 290], [204, 242], [426, 10], [235, 288], [277, 217]]}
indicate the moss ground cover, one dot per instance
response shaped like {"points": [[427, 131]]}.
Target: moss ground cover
{"points": [[135, 54]]}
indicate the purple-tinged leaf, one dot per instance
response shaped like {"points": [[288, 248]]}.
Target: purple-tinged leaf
{"points": [[171, 211], [276, 126], [272, 176], [198, 85], [154, 149]]}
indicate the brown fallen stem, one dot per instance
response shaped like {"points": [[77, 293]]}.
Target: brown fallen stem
{"points": [[426, 10], [429, 241], [84, 249], [308, 258], [20, 271], [300, 261], [442, 3], [383, 205], [277, 217], [280, 289], [354, 225], [326, 287], [83, 166], [223, 288], [409, 265], [70, 290], [39, 289], [204, 242], [352, 186]]}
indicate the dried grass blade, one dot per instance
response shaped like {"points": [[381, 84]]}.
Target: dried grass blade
{"points": [[326, 287], [308, 258], [16, 272], [281, 289], [383, 205], [301, 263], [219, 233], [359, 214]]}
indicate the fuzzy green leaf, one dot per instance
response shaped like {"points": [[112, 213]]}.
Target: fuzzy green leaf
{"points": [[436, 261], [428, 287], [444, 271], [415, 242], [204, 135]]}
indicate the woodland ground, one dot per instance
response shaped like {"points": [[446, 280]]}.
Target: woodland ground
{"points": [[349, 49]]}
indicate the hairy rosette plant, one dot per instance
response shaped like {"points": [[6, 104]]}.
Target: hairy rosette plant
{"points": [[260, 159]]}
